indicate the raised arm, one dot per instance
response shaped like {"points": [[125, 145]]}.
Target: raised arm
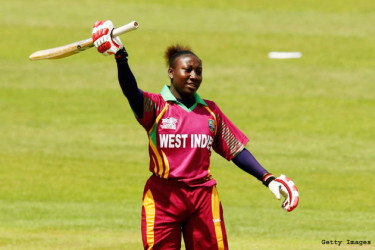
{"points": [[102, 37], [128, 83]]}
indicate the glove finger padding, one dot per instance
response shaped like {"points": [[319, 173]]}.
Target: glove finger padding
{"points": [[289, 191], [275, 189], [102, 38]]}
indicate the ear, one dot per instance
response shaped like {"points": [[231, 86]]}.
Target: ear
{"points": [[170, 72]]}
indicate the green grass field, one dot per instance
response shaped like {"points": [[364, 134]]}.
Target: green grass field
{"points": [[73, 160]]}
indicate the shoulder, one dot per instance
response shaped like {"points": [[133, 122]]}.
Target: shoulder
{"points": [[152, 101], [152, 96], [211, 104]]}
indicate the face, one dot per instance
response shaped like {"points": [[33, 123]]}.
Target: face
{"points": [[186, 76]]}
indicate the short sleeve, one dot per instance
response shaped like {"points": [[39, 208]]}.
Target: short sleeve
{"points": [[229, 140], [152, 104]]}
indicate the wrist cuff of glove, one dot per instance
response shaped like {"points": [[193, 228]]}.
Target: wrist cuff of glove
{"points": [[121, 54], [267, 178]]}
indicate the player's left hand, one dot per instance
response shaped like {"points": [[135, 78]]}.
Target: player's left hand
{"points": [[284, 186], [103, 40]]}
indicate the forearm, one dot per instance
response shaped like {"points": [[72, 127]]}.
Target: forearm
{"points": [[247, 162], [128, 84]]}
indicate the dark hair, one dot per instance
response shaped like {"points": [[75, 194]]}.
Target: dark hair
{"points": [[175, 51]]}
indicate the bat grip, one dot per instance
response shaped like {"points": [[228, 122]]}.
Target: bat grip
{"points": [[125, 28]]}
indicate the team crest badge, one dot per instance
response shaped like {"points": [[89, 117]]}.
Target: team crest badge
{"points": [[169, 123], [211, 125]]}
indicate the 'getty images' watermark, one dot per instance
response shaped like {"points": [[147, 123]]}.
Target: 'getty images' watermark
{"points": [[347, 242]]}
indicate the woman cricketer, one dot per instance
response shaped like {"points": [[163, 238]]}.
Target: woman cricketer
{"points": [[180, 197]]}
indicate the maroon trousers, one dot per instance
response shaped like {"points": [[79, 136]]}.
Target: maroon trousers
{"points": [[171, 209]]}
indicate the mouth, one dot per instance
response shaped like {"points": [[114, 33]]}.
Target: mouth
{"points": [[192, 86]]}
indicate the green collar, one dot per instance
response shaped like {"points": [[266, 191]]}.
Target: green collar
{"points": [[168, 96]]}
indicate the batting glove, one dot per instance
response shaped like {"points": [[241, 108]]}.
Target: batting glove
{"points": [[284, 186], [103, 40]]}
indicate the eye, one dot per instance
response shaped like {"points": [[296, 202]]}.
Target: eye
{"points": [[188, 69]]}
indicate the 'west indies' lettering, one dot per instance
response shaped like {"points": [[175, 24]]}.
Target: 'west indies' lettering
{"points": [[184, 140]]}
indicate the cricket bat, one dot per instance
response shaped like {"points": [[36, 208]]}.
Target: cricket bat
{"points": [[76, 47]]}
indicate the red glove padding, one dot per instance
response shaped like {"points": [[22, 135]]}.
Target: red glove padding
{"points": [[284, 186], [103, 40]]}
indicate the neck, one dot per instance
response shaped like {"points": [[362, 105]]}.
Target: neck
{"points": [[180, 96], [187, 102]]}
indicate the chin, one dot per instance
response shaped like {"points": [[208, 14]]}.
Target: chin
{"points": [[190, 92]]}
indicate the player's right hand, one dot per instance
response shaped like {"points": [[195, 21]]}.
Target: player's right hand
{"points": [[102, 38]]}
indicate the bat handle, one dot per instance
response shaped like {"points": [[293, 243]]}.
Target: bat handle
{"points": [[126, 28]]}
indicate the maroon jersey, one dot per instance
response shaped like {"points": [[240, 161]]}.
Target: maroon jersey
{"points": [[181, 139]]}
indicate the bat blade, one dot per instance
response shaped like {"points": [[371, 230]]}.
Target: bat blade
{"points": [[76, 47], [62, 51]]}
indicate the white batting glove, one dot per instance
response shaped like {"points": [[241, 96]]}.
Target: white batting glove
{"points": [[102, 38], [283, 186]]}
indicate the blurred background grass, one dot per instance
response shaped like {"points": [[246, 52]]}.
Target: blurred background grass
{"points": [[73, 160]]}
